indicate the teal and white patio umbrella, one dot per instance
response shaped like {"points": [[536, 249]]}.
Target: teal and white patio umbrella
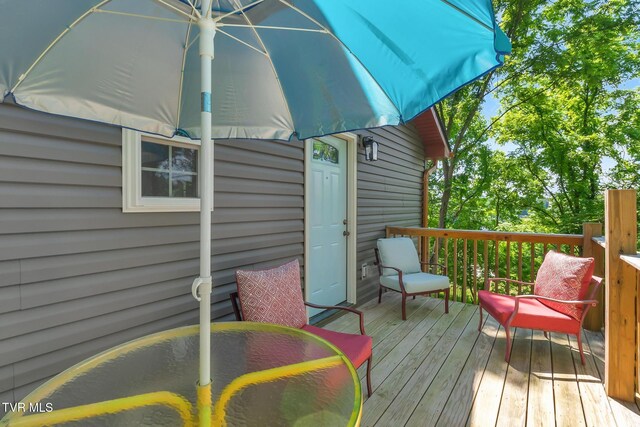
{"points": [[282, 68]]}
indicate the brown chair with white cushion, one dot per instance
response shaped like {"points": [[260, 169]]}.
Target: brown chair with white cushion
{"points": [[401, 271], [563, 292], [275, 296]]}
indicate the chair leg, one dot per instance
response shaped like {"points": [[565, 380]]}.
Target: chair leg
{"points": [[369, 392], [507, 356], [414, 297], [545, 334], [404, 306], [579, 335], [480, 322], [379, 294], [446, 301]]}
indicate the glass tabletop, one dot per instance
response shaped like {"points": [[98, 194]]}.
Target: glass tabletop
{"points": [[263, 375]]}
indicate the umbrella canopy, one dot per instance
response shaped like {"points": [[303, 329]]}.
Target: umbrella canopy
{"points": [[281, 68]]}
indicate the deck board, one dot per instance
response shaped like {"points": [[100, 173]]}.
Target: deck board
{"points": [[568, 402], [408, 398], [516, 388], [385, 393], [540, 406], [435, 398], [486, 404], [436, 369], [458, 405]]}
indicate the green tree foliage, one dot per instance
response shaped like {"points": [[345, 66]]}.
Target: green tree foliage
{"points": [[569, 101], [564, 107]]}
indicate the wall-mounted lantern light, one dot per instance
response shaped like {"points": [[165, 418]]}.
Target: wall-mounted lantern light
{"points": [[370, 149]]}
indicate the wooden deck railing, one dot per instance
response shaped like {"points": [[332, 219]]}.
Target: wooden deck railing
{"points": [[473, 256]]}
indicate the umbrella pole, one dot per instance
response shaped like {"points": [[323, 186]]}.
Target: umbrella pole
{"points": [[202, 285]]}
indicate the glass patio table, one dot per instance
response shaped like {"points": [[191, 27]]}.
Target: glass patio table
{"points": [[262, 375]]}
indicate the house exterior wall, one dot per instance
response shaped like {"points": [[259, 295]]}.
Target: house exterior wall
{"points": [[78, 276], [389, 193]]}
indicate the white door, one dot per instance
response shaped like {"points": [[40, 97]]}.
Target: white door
{"points": [[327, 258]]}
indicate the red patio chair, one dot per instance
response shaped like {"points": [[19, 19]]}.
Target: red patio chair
{"points": [[275, 296], [558, 303]]}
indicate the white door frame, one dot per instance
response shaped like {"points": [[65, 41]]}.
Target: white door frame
{"points": [[352, 206]]}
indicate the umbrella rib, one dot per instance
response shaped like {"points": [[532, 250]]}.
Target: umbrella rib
{"points": [[241, 41], [273, 67], [468, 15], [137, 15], [240, 9], [24, 75], [193, 8], [184, 61], [175, 9], [271, 27]]}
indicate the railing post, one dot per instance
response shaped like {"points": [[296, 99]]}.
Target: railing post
{"points": [[595, 318], [620, 292]]}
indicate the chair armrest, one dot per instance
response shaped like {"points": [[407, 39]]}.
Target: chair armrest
{"points": [[338, 307], [591, 302], [392, 268], [504, 279], [381, 267], [443, 268]]}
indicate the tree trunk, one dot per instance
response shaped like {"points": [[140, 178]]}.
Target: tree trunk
{"points": [[448, 166]]}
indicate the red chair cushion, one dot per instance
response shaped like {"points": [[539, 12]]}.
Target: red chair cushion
{"points": [[272, 296], [564, 277], [532, 314], [356, 347]]}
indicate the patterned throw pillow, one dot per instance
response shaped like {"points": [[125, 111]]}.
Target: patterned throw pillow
{"points": [[272, 296], [564, 277]]}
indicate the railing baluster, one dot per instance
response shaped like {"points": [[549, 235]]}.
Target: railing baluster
{"points": [[475, 271], [428, 257], [545, 249], [486, 263], [572, 249], [455, 269], [520, 261], [496, 248], [532, 273], [464, 273], [508, 272], [436, 251], [446, 258]]}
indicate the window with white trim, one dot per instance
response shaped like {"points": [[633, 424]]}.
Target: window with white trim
{"points": [[159, 174]]}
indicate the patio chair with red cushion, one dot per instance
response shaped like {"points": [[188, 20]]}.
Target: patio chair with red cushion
{"points": [[275, 296], [563, 292]]}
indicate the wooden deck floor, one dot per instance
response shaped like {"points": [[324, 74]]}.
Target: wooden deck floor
{"points": [[435, 369]]}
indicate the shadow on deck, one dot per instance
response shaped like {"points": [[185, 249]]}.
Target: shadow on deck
{"points": [[435, 369]]}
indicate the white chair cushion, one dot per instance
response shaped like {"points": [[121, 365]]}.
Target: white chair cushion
{"points": [[416, 282], [398, 252]]}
